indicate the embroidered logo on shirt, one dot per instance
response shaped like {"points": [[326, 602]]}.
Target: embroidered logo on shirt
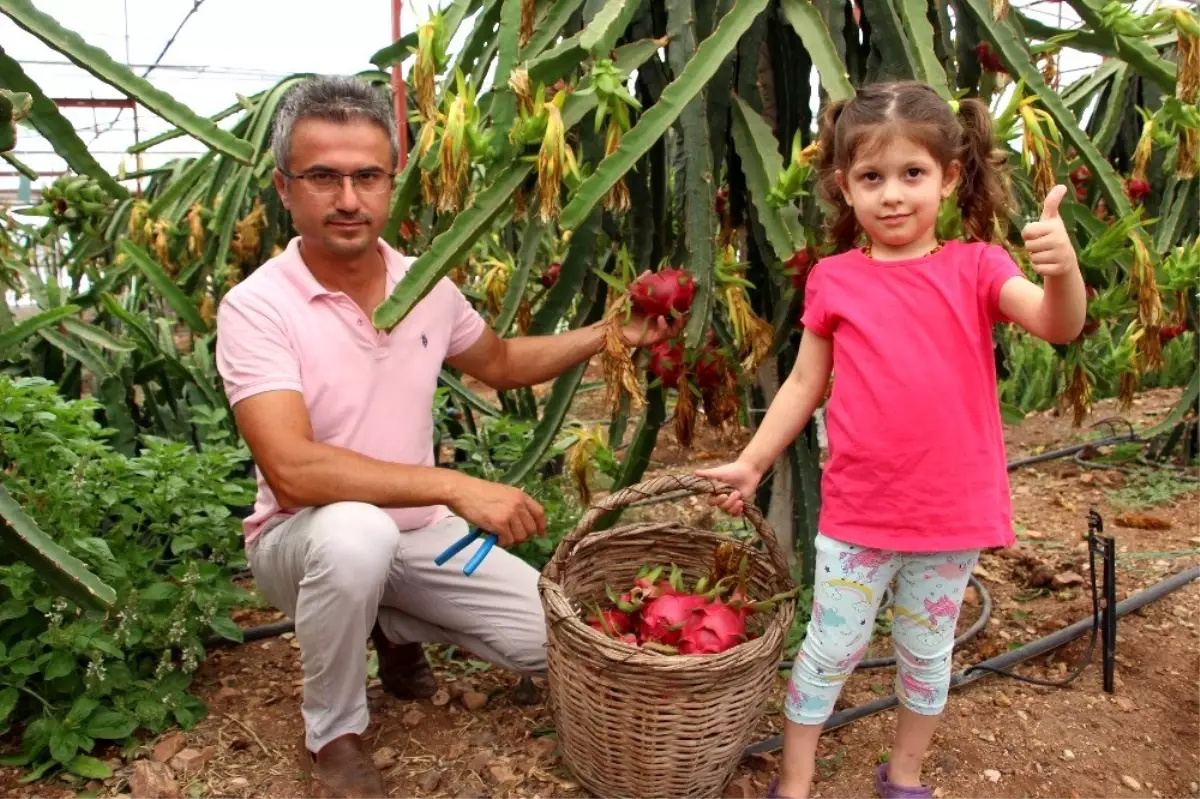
{"points": [[424, 341]]}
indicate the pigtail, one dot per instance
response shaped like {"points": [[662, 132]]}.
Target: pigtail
{"points": [[984, 189], [842, 227]]}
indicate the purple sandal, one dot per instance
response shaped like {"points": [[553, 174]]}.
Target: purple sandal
{"points": [[773, 790], [887, 790]]}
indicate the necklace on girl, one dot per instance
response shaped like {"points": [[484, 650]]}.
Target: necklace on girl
{"points": [[936, 247]]}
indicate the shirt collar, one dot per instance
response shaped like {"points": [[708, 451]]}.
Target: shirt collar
{"points": [[302, 279]]}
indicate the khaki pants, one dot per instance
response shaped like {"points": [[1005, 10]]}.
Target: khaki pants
{"points": [[336, 568]]}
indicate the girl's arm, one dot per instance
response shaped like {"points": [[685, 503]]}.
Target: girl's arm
{"points": [[794, 403], [1057, 311]]}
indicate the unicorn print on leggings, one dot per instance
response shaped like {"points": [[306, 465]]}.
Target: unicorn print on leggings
{"points": [[944, 607], [870, 559], [914, 686]]}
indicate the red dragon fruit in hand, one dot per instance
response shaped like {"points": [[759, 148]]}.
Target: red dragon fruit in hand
{"points": [[663, 619], [668, 292], [712, 628]]}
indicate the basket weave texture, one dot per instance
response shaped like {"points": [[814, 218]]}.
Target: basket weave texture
{"points": [[636, 723]]}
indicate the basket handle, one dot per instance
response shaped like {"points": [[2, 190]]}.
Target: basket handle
{"points": [[664, 484]]}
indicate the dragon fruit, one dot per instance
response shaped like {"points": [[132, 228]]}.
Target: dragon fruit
{"points": [[710, 369], [611, 621], [665, 293], [550, 276], [1136, 189], [666, 362], [797, 267], [663, 619], [710, 629]]}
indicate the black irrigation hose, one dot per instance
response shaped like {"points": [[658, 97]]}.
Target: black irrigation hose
{"points": [[972, 631], [254, 634], [979, 670]]}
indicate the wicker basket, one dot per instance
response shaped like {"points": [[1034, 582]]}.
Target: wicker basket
{"points": [[636, 723]]}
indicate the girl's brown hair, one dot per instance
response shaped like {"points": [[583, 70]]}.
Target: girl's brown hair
{"points": [[882, 111]]}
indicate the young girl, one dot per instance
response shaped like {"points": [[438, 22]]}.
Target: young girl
{"points": [[916, 483]]}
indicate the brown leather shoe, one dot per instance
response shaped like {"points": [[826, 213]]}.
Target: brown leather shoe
{"points": [[403, 669], [345, 769]]}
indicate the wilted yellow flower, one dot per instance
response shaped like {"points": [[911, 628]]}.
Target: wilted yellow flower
{"points": [[247, 236], [554, 158], [616, 199], [1141, 154], [455, 157], [527, 14], [1036, 145], [430, 55], [495, 284], [195, 230], [425, 142]]}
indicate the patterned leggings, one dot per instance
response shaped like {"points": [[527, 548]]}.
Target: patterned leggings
{"points": [[850, 582]]}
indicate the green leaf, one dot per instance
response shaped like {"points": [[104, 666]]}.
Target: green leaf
{"points": [[395, 52], [79, 352], [920, 36], [806, 20], [467, 395], [1016, 60], [100, 64], [165, 286], [227, 628], [243, 104], [8, 703], [601, 34], [551, 26], [97, 335], [63, 572], [59, 131], [110, 724], [449, 248], [89, 767], [81, 709], [657, 119], [63, 746], [10, 338], [761, 162], [12, 608], [160, 591], [60, 664], [1138, 54], [19, 165]]}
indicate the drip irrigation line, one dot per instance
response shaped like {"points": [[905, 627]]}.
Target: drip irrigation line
{"points": [[980, 670]]}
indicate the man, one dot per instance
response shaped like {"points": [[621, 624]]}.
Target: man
{"points": [[350, 511]]}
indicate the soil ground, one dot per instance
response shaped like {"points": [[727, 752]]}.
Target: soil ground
{"points": [[1000, 737]]}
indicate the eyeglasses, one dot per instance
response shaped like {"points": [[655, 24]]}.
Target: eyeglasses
{"points": [[328, 181]]}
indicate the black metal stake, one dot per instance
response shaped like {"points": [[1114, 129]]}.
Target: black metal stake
{"points": [[1109, 619]]}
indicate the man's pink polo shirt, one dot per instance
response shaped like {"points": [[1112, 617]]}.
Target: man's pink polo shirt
{"points": [[366, 390]]}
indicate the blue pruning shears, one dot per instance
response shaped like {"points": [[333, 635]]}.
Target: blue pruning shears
{"points": [[489, 541]]}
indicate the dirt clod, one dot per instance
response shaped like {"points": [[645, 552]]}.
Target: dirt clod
{"points": [[441, 698], [189, 761], [168, 747], [474, 700], [413, 718], [152, 779], [1130, 783], [991, 775], [384, 756], [429, 781]]}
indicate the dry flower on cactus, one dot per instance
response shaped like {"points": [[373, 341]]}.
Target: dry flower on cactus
{"points": [[613, 104], [1040, 136], [195, 223], [247, 236], [528, 11], [432, 39], [1143, 288], [752, 335], [425, 141], [495, 284], [1077, 395], [588, 446], [554, 160]]}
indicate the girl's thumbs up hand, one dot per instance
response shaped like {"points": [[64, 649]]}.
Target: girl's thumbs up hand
{"points": [[1049, 246]]}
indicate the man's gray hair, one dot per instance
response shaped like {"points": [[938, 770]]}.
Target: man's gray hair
{"points": [[334, 98]]}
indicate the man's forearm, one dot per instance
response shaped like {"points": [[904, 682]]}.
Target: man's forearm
{"points": [[320, 474], [531, 360]]}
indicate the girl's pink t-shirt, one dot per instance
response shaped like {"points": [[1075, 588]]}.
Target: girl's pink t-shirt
{"points": [[916, 447]]}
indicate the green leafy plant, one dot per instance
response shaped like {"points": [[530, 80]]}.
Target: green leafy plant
{"points": [[155, 526]]}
